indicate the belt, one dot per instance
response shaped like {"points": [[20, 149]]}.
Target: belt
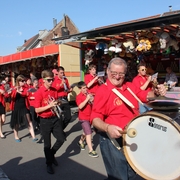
{"points": [[52, 117]]}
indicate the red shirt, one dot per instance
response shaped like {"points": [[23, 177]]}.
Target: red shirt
{"points": [[42, 99], [60, 88], [84, 113], [40, 82], [29, 86], [24, 93], [2, 96], [111, 109], [139, 81], [95, 86], [31, 98]]}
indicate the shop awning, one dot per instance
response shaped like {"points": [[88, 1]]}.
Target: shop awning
{"points": [[30, 54], [168, 19]]}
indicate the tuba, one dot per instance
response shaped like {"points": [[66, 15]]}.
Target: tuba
{"points": [[56, 109]]}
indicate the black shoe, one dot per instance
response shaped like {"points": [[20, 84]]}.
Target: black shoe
{"points": [[55, 162], [50, 169]]}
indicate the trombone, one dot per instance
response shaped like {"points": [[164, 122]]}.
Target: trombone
{"points": [[56, 109]]}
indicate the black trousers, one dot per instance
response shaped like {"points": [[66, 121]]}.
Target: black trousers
{"points": [[48, 126], [66, 112], [35, 118]]}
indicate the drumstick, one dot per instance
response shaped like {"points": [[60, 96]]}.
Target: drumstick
{"points": [[130, 132]]}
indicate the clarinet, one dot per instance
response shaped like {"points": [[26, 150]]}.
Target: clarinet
{"points": [[65, 86]]}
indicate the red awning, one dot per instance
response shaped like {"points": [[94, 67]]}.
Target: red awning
{"points": [[30, 54]]}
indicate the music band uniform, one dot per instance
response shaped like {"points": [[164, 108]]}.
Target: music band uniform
{"points": [[34, 116], [49, 123], [93, 88], [111, 109], [111, 113], [138, 81], [62, 95], [20, 107]]}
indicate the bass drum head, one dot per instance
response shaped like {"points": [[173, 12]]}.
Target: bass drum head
{"points": [[154, 153]]}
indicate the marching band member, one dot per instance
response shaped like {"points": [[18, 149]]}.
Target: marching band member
{"points": [[142, 80], [31, 98], [92, 80], [7, 85], [111, 113], [20, 109], [28, 83], [3, 95], [61, 84], [84, 102], [45, 98]]}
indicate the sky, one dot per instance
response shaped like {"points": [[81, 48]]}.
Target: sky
{"points": [[22, 19]]}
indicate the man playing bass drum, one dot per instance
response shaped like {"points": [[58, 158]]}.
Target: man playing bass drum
{"points": [[110, 114]]}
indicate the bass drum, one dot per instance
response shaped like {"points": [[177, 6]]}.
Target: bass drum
{"points": [[154, 153]]}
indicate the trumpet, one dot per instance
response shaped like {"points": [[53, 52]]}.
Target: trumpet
{"points": [[91, 98], [56, 109], [100, 79]]}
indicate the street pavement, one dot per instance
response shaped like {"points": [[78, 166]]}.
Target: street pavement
{"points": [[26, 161]]}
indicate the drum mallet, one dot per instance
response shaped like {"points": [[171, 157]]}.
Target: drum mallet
{"points": [[131, 132]]}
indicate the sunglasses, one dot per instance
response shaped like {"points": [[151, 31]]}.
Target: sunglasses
{"points": [[49, 80], [22, 81], [143, 69]]}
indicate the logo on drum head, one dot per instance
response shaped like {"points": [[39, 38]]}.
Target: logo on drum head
{"points": [[152, 123]]}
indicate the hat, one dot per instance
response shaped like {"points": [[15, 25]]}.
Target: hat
{"points": [[55, 71]]}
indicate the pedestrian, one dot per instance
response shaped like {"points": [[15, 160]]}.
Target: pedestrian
{"points": [[171, 78], [61, 84], [45, 102], [20, 109], [84, 101], [110, 114]]}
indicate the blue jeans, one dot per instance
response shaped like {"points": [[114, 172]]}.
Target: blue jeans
{"points": [[115, 162]]}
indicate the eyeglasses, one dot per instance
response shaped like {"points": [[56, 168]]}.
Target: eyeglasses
{"points": [[113, 73], [49, 80], [143, 69], [22, 81]]}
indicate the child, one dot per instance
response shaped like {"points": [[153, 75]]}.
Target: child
{"points": [[84, 102], [45, 101]]}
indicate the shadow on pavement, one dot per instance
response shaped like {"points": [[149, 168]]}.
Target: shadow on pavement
{"points": [[36, 170]]}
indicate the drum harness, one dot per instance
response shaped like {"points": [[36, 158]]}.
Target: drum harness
{"points": [[113, 140]]}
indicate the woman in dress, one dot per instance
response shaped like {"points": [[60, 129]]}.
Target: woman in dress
{"points": [[20, 109]]}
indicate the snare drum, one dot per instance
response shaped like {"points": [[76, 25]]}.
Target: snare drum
{"points": [[154, 153]]}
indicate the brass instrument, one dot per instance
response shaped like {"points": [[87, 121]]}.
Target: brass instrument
{"points": [[91, 98], [64, 84], [100, 79], [56, 109]]}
